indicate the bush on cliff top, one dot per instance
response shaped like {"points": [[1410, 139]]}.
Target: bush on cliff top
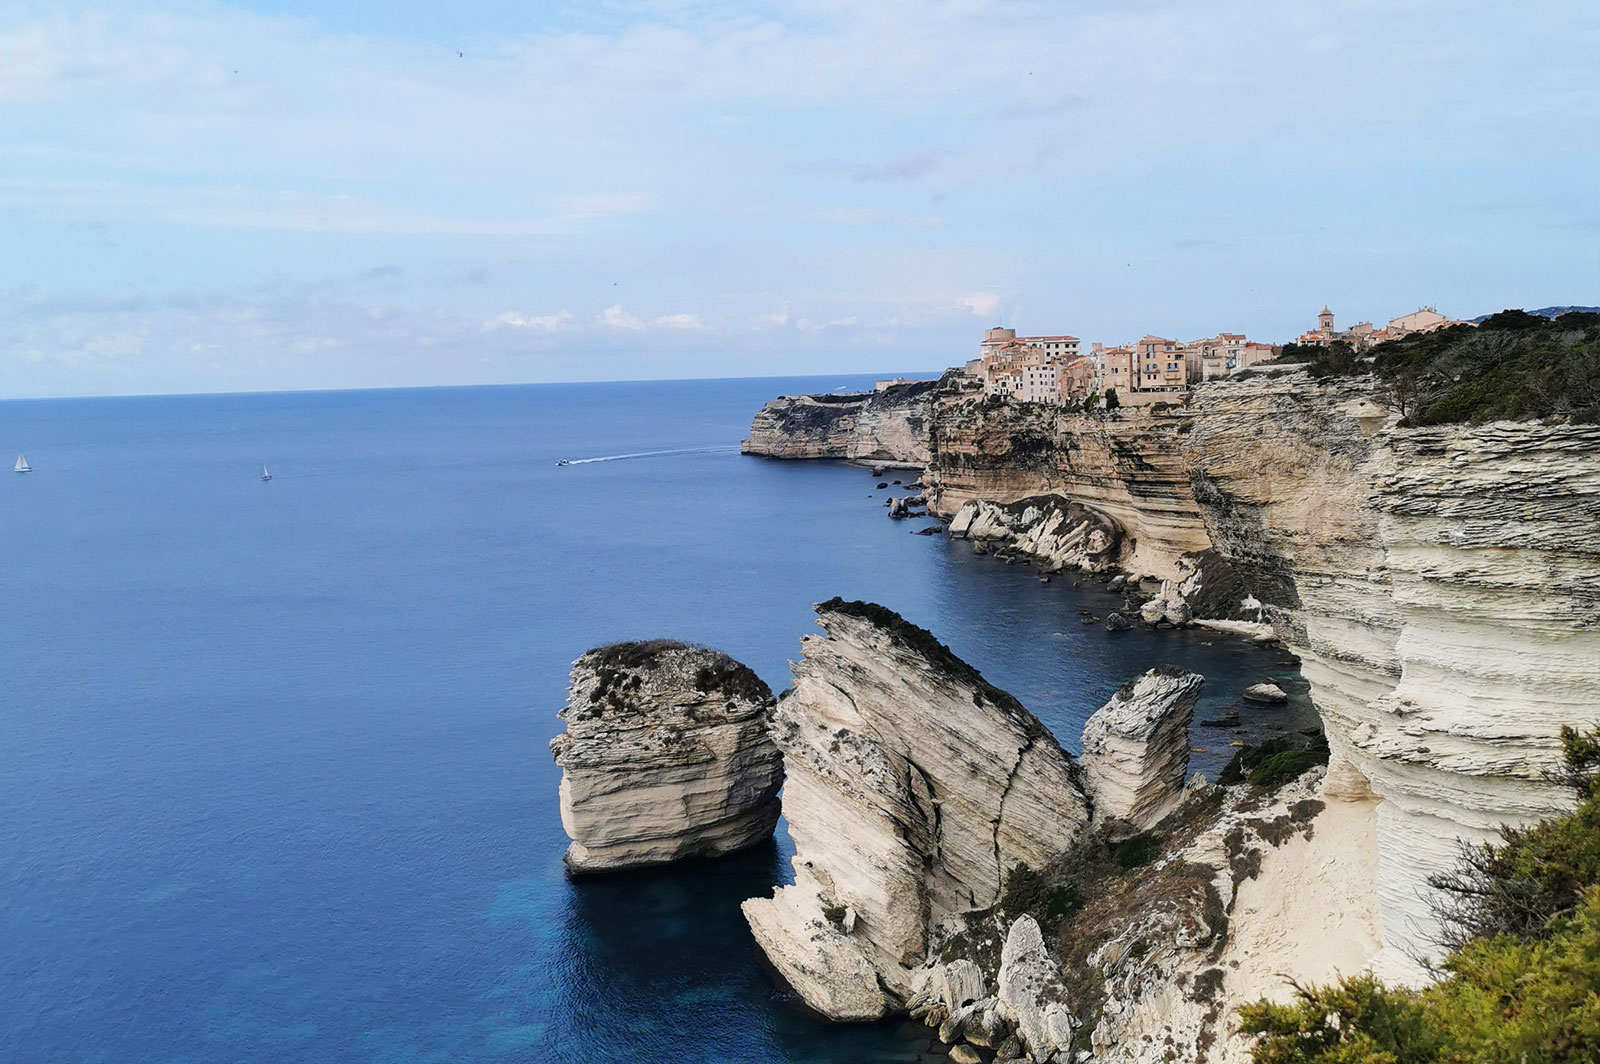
{"points": [[1512, 365], [1522, 984], [619, 668]]}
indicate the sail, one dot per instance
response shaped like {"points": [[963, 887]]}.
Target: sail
{"points": [[22, 465]]}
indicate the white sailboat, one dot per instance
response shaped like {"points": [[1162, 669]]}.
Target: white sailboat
{"points": [[264, 474], [22, 465]]}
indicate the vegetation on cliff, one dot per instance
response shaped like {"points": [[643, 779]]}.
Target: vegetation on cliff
{"points": [[1523, 981], [1512, 365], [621, 669], [924, 643]]}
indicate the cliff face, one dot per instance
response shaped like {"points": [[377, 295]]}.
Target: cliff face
{"points": [[913, 787], [887, 427], [1441, 585], [1131, 471], [665, 756]]}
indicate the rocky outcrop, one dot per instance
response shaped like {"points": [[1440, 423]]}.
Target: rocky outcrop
{"points": [[1053, 532], [914, 786], [1269, 693], [1028, 979], [1441, 586], [1128, 472], [666, 756], [1136, 748], [891, 427]]}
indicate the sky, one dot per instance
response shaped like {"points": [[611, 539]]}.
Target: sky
{"points": [[287, 194]]}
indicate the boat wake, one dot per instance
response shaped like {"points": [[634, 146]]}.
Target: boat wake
{"points": [[723, 448]]}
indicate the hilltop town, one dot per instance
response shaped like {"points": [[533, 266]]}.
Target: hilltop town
{"points": [[1055, 369]]}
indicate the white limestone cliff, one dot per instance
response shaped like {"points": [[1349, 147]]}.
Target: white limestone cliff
{"points": [[665, 756], [913, 788]]}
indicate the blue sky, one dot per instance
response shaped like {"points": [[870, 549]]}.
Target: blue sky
{"points": [[212, 197]]}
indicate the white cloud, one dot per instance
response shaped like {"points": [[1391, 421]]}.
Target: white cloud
{"points": [[616, 318], [982, 304], [543, 322], [679, 321], [776, 320]]}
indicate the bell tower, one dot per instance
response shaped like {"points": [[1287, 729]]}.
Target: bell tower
{"points": [[1325, 320]]}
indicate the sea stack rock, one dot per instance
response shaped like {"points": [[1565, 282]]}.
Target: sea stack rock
{"points": [[1136, 747], [666, 756], [913, 787]]}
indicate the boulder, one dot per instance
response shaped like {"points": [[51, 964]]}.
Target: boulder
{"points": [[1266, 692], [1027, 971], [1136, 748], [965, 1055], [666, 756], [959, 983], [1116, 622]]}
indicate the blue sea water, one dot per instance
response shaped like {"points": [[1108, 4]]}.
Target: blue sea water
{"points": [[274, 783]]}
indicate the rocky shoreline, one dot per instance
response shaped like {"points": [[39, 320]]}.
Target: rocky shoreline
{"points": [[1441, 587]]}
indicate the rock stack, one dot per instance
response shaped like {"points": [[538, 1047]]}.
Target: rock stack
{"points": [[666, 756], [914, 786], [1136, 748]]}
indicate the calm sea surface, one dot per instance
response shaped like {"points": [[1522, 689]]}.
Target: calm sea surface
{"points": [[274, 783]]}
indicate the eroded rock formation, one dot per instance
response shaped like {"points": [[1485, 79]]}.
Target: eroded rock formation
{"points": [[914, 786], [890, 427], [1054, 532], [1136, 748], [666, 755], [1440, 585]]}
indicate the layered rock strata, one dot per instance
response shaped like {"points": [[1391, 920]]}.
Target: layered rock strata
{"points": [[1442, 588], [1053, 532], [914, 786], [1136, 748], [1130, 472], [890, 427], [666, 756], [1438, 584]]}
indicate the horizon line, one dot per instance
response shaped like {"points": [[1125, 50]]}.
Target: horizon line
{"points": [[439, 387]]}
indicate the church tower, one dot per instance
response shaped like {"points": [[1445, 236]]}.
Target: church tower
{"points": [[1325, 320]]}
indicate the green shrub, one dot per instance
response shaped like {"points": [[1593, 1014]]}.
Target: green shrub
{"points": [[1535, 874], [1278, 769], [1244, 764], [1028, 891], [1138, 851]]}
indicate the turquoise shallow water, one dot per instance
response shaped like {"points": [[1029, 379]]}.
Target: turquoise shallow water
{"points": [[273, 766]]}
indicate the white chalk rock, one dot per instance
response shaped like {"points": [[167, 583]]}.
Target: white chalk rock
{"points": [[1136, 748], [666, 756]]}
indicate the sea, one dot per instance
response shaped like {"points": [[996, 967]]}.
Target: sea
{"points": [[274, 776]]}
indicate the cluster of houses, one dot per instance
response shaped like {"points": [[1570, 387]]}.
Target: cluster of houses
{"points": [[1055, 369], [1364, 334]]}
